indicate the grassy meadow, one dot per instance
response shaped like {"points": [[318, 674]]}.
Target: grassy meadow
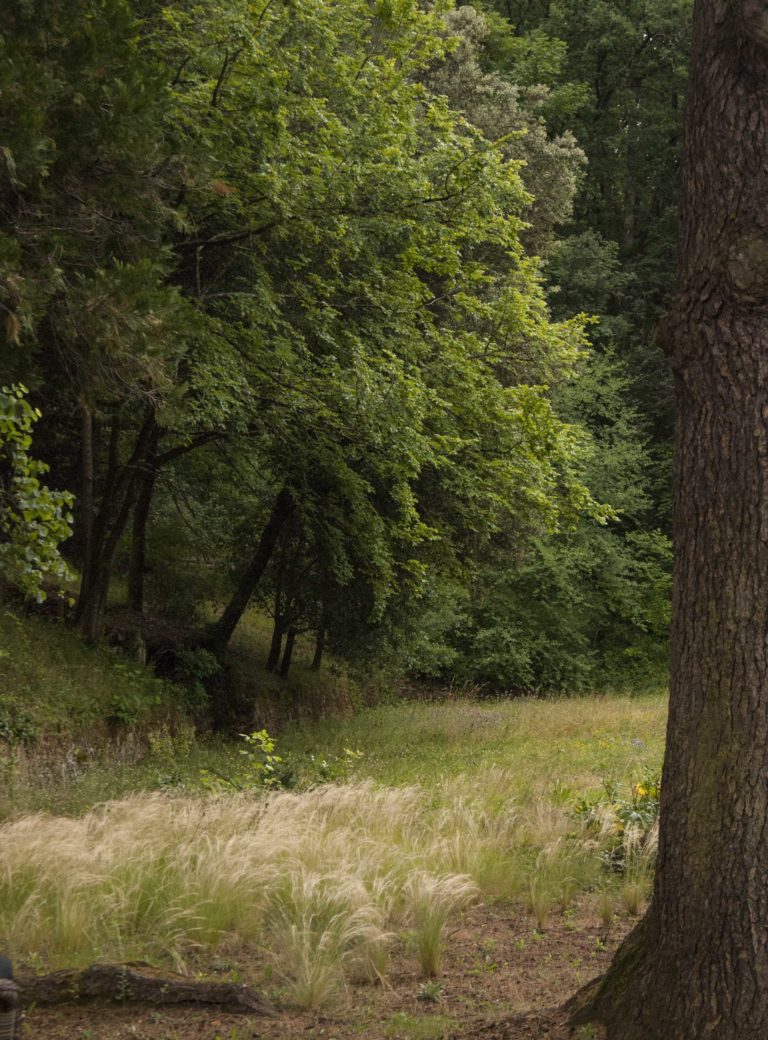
{"points": [[542, 806]]}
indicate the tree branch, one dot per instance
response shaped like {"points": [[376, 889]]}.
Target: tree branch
{"points": [[226, 238], [182, 449], [229, 61]]}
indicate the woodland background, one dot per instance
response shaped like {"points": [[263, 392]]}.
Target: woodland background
{"points": [[345, 312]]}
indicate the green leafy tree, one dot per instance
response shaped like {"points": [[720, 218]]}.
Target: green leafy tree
{"points": [[393, 335], [514, 114], [617, 75], [294, 240], [86, 195], [33, 519]]}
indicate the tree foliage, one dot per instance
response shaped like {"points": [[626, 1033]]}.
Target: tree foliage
{"points": [[272, 271], [33, 519]]}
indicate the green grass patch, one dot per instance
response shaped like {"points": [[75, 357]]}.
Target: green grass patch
{"points": [[555, 745], [322, 880], [402, 1026], [52, 682], [400, 816]]}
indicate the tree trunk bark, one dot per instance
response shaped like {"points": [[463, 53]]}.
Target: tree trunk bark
{"points": [[123, 984], [273, 658], [146, 490], [108, 529], [317, 660], [137, 563], [697, 966], [221, 632], [290, 642], [86, 486]]}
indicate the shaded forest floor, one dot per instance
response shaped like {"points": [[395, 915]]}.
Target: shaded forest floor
{"points": [[497, 965]]}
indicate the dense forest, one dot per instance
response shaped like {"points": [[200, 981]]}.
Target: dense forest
{"points": [[344, 312]]}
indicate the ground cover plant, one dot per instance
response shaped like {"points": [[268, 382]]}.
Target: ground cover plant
{"points": [[54, 684], [538, 807]]}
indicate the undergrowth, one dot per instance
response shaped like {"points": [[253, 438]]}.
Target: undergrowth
{"points": [[52, 683]]}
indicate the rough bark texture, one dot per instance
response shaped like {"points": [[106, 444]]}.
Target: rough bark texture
{"points": [[697, 966], [123, 984]]}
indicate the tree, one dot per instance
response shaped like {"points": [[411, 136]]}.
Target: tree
{"points": [[33, 519], [551, 164], [696, 965], [617, 72], [294, 237], [378, 295], [87, 191], [588, 605]]}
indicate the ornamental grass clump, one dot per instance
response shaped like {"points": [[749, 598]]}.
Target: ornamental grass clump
{"points": [[317, 879], [326, 929], [429, 902]]}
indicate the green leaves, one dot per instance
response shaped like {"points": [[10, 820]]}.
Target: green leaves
{"points": [[385, 340], [296, 234], [33, 519]]}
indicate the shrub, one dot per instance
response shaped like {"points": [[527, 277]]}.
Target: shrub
{"points": [[627, 826], [33, 519]]}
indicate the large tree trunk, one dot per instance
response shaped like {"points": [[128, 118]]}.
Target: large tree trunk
{"points": [[221, 632], [697, 966]]}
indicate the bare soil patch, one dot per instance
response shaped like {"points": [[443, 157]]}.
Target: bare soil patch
{"points": [[501, 980]]}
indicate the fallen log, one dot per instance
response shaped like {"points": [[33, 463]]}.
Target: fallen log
{"points": [[122, 984]]}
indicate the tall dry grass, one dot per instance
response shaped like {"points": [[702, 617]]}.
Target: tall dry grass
{"points": [[319, 881]]}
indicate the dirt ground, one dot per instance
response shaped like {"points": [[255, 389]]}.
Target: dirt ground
{"points": [[497, 967]]}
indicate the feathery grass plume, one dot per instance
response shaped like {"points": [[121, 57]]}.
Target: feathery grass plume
{"points": [[326, 927], [540, 901], [319, 879], [606, 908], [639, 849], [430, 901], [319, 875]]}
